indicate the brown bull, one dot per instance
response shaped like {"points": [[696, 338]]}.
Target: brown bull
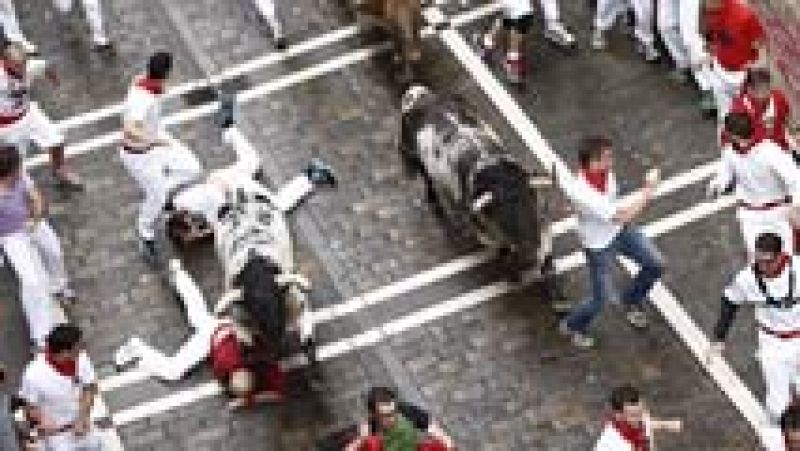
{"points": [[402, 19]]}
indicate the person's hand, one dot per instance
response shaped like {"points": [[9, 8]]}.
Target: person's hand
{"points": [[714, 351], [81, 426]]}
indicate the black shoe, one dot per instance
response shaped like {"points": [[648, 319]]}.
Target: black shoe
{"points": [[149, 250], [280, 43], [226, 114], [320, 173]]}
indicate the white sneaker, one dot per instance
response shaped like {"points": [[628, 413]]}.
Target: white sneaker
{"points": [[127, 353], [598, 40], [559, 35]]}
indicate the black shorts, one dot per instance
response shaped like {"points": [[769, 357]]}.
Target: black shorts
{"points": [[521, 24]]}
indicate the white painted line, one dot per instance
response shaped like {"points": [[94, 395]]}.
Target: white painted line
{"points": [[255, 64], [255, 92], [432, 275], [377, 334], [722, 374]]}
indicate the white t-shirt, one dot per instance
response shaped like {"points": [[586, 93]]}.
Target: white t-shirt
{"points": [[744, 289], [15, 92], [515, 9], [764, 174], [143, 106], [595, 209], [611, 439], [56, 395]]}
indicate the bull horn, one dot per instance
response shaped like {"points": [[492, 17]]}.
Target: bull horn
{"points": [[540, 181], [482, 201]]}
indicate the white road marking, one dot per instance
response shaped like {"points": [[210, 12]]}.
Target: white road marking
{"points": [[437, 311], [258, 91], [723, 375], [432, 275]]}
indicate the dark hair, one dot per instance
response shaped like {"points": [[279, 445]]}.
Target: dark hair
{"points": [[64, 337], [624, 395], [159, 65], [592, 148], [758, 76], [10, 161], [790, 420], [739, 125], [769, 242], [379, 395]]}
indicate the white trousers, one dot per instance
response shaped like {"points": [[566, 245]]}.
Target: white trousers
{"points": [[195, 349], [609, 10], [551, 11], [94, 17], [157, 172], [780, 364], [67, 441], [725, 85], [755, 222], [678, 25], [266, 8], [39, 263], [35, 127], [10, 23]]}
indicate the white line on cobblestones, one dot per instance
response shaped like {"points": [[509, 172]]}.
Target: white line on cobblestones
{"points": [[258, 91], [430, 276], [728, 381], [379, 333]]}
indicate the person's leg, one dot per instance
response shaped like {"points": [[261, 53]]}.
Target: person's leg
{"points": [[11, 28], [555, 31], [778, 371], [644, 32], [49, 247], [36, 301], [248, 162], [642, 251], [94, 16], [605, 15], [197, 310], [669, 30], [160, 365], [149, 175], [181, 163], [46, 135], [266, 8], [600, 264]]}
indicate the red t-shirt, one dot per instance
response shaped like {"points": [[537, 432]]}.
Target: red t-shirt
{"points": [[227, 356], [733, 30], [769, 118]]}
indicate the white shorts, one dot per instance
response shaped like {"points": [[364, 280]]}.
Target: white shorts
{"points": [[34, 127]]}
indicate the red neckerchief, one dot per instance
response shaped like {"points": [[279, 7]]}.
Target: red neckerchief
{"points": [[596, 179], [151, 85], [12, 71], [67, 368], [784, 261], [635, 435]]}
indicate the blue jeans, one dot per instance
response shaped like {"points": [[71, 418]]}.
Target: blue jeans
{"points": [[631, 243]]}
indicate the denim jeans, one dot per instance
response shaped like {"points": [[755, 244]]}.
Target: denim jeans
{"points": [[631, 243]]}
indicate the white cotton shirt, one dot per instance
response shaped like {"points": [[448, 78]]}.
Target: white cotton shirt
{"points": [[595, 209], [764, 174], [744, 290], [15, 96], [515, 9], [57, 396], [611, 440], [143, 106]]}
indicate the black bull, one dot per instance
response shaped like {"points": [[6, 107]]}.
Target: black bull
{"points": [[469, 176]]}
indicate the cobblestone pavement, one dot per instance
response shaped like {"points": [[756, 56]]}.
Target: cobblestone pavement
{"points": [[498, 375]]}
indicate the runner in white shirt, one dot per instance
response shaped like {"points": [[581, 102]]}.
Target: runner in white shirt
{"points": [[21, 120], [771, 285], [629, 427], [153, 158], [59, 387], [767, 181], [11, 28], [604, 226]]}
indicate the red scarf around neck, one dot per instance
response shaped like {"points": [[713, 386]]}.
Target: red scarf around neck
{"points": [[596, 179], [67, 368], [151, 85], [635, 435], [781, 266]]}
